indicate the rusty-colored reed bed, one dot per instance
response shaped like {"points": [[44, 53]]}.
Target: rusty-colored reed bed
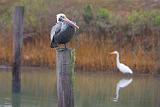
{"points": [[132, 29], [91, 53]]}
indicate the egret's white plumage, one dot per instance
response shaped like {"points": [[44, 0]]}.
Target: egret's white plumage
{"points": [[122, 67]]}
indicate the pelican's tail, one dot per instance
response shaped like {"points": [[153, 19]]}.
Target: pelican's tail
{"points": [[53, 44]]}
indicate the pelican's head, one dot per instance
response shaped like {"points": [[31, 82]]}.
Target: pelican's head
{"points": [[114, 52], [62, 17]]}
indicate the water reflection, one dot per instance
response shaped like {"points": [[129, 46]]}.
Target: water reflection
{"points": [[92, 89], [16, 100], [121, 84]]}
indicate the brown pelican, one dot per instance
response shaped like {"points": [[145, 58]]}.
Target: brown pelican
{"points": [[62, 31]]}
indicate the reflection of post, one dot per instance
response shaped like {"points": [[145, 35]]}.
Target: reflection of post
{"points": [[17, 45], [16, 100], [65, 60]]}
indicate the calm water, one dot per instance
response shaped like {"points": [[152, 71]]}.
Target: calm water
{"points": [[91, 90]]}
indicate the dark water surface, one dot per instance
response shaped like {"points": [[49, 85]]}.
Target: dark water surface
{"points": [[94, 89]]}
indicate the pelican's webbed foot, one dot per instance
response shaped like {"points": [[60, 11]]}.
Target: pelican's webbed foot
{"points": [[65, 46], [53, 45]]}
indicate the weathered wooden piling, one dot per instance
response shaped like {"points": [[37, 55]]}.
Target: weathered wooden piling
{"points": [[65, 60], [18, 15]]}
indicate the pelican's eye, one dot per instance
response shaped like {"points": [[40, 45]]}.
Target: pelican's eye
{"points": [[61, 18]]}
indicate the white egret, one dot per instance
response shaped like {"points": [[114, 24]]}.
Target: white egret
{"points": [[122, 67], [121, 84]]}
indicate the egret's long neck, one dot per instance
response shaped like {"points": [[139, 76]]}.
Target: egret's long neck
{"points": [[117, 59]]}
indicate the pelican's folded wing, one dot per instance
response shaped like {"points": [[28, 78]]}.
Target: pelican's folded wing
{"points": [[55, 29]]}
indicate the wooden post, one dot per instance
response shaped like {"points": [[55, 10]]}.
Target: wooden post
{"points": [[18, 15], [65, 60]]}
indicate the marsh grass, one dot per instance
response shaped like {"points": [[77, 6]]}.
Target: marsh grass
{"points": [[92, 54], [105, 27]]}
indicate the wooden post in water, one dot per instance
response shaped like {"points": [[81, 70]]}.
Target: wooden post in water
{"points": [[18, 16], [65, 60]]}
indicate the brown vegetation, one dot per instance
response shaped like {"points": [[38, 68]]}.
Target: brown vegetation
{"points": [[132, 28]]}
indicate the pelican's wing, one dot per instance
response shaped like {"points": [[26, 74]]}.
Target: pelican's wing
{"points": [[55, 29]]}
